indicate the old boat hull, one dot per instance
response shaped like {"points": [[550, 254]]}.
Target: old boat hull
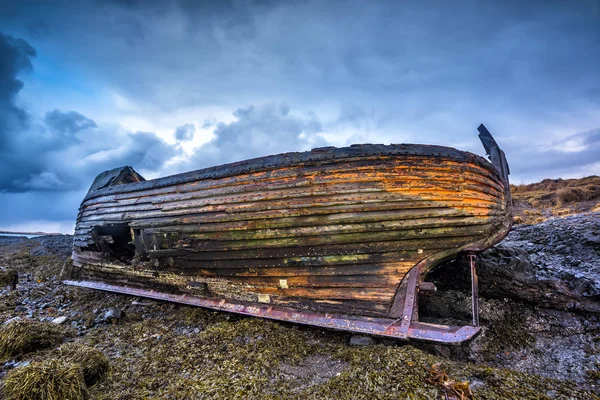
{"points": [[335, 237]]}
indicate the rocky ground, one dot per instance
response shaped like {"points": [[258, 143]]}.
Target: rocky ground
{"points": [[540, 296]]}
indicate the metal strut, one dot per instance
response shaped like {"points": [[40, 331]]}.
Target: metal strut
{"points": [[474, 290]]}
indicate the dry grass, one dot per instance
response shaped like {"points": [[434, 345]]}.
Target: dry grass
{"points": [[555, 197], [23, 336], [45, 380]]}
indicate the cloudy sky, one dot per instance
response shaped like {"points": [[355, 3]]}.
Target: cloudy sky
{"points": [[168, 87]]}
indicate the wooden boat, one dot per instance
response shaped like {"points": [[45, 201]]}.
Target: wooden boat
{"points": [[335, 237]]}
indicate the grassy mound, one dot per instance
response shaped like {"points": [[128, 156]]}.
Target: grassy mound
{"points": [[24, 336], [92, 362], [46, 380], [555, 197]]}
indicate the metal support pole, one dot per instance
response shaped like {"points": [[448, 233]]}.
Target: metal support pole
{"points": [[474, 290]]}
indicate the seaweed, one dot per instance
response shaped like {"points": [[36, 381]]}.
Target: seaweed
{"points": [[22, 336], [93, 362], [45, 380]]}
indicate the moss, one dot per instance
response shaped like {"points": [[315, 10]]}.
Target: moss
{"points": [[8, 302], [92, 362], [46, 267], [501, 384], [248, 358], [8, 277], [384, 372], [594, 374], [24, 336], [45, 380], [510, 334], [228, 359]]}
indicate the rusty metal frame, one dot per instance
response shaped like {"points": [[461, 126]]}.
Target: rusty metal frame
{"points": [[403, 328]]}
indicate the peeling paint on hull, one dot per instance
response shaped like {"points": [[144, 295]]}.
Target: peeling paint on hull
{"points": [[332, 232]]}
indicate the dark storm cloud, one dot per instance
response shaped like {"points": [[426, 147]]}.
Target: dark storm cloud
{"points": [[48, 162], [65, 150], [15, 58], [415, 62], [185, 132]]}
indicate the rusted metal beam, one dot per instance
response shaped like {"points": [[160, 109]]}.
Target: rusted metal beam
{"points": [[474, 290], [385, 327]]}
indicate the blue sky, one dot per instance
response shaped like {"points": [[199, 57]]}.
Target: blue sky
{"points": [[168, 87]]}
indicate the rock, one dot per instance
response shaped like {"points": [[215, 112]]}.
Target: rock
{"points": [[361, 340], [16, 364], [111, 315], [114, 313], [39, 251], [8, 321], [20, 309], [60, 320], [553, 264], [58, 245]]}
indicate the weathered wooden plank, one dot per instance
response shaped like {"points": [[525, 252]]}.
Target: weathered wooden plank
{"points": [[206, 222], [468, 233], [371, 199], [408, 245], [371, 228], [291, 205], [386, 179], [371, 294], [255, 269], [319, 193], [239, 184], [321, 281], [377, 152], [194, 200]]}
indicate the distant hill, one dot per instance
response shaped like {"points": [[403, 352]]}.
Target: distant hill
{"points": [[27, 233], [536, 202]]}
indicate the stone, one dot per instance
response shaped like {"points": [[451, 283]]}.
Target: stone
{"points": [[8, 321], [60, 320], [361, 340], [551, 264], [111, 315], [38, 251]]}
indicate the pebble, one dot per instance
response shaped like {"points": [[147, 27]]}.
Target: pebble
{"points": [[60, 320]]}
